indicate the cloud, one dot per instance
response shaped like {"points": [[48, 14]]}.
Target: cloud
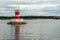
{"points": [[37, 13], [33, 6], [36, 1], [1, 9], [55, 9], [30, 7]]}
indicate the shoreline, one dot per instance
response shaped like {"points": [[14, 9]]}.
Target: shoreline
{"points": [[31, 17]]}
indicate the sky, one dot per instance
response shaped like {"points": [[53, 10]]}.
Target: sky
{"points": [[30, 7]]}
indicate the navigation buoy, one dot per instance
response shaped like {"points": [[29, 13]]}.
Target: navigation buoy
{"points": [[17, 19]]}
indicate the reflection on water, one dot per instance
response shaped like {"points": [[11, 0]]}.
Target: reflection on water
{"points": [[36, 29]]}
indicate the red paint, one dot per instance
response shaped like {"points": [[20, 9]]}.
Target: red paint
{"points": [[17, 29], [17, 17], [17, 14]]}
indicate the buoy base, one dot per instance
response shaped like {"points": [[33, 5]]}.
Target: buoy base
{"points": [[14, 23]]}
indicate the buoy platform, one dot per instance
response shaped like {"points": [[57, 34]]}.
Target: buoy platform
{"points": [[17, 19], [14, 23]]}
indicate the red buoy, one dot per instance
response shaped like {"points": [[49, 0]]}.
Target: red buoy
{"points": [[17, 14]]}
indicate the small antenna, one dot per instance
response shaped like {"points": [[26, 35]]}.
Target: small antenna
{"points": [[18, 7], [17, 12]]}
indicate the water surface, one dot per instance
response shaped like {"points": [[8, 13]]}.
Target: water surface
{"points": [[35, 29]]}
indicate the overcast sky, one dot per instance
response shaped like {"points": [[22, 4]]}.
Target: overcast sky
{"points": [[30, 7]]}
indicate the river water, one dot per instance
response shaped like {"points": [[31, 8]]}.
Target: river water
{"points": [[35, 29]]}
